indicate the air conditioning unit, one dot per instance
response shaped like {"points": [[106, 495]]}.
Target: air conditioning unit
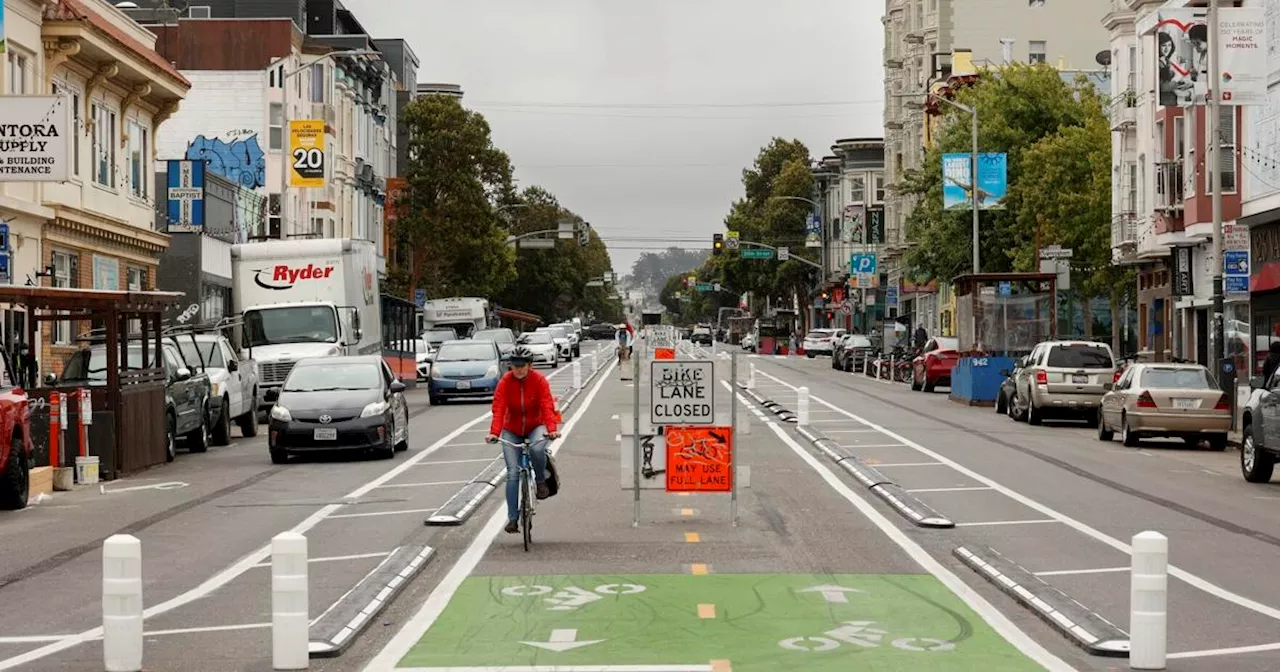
{"points": [[366, 172], [199, 12]]}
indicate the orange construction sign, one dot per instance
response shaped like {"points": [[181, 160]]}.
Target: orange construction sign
{"points": [[664, 353], [699, 459]]}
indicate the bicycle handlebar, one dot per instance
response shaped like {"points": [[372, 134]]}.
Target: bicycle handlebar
{"points": [[518, 445]]}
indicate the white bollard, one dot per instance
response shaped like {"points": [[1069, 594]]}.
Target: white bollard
{"points": [[122, 603], [893, 368], [290, 617], [577, 375], [1149, 601], [751, 376], [593, 366], [802, 406]]}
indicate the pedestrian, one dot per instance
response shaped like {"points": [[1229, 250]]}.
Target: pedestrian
{"points": [[921, 336], [1273, 362], [792, 344]]}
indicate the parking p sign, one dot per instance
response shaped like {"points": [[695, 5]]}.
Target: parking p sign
{"points": [[862, 263]]}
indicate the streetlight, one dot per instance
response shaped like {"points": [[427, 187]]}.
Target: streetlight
{"points": [[973, 166], [822, 268], [285, 78]]}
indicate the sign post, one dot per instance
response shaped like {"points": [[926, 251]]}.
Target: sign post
{"points": [[733, 425], [635, 432]]}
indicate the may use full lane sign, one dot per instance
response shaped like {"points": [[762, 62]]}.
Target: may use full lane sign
{"points": [[682, 393]]}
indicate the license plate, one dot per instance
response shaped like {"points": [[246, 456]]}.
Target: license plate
{"points": [[1186, 403], [326, 434], [464, 385], [1079, 379]]}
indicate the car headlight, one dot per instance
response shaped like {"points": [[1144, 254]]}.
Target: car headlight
{"points": [[334, 351], [217, 389], [491, 371], [281, 413], [435, 373], [376, 408]]}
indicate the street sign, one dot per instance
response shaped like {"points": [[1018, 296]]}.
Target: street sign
{"points": [[1235, 237], [784, 253], [664, 353], [716, 286], [1235, 284], [699, 459], [1005, 289], [891, 296], [682, 392], [704, 286], [307, 153], [813, 230], [420, 297], [1056, 252], [757, 253], [1235, 262], [566, 229], [185, 195], [862, 263], [731, 240]]}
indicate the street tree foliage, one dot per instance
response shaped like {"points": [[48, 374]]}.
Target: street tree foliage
{"points": [[652, 269], [1052, 130]]}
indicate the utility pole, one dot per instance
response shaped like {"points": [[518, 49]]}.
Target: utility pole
{"points": [[973, 186], [1213, 164]]}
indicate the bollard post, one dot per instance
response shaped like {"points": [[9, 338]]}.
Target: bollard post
{"points": [[577, 375], [893, 367], [751, 376], [122, 603], [802, 406], [290, 620], [1148, 601]]}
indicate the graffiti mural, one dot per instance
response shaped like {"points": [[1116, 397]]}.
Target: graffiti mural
{"points": [[237, 157]]}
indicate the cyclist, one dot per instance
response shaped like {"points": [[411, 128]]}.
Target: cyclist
{"points": [[523, 409], [625, 337]]}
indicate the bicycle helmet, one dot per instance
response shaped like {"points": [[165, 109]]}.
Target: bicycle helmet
{"points": [[521, 356]]}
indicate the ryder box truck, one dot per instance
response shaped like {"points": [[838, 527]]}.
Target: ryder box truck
{"points": [[305, 298]]}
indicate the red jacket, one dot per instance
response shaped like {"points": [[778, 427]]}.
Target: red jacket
{"points": [[520, 405]]}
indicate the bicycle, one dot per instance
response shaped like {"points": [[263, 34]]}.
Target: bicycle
{"points": [[526, 482]]}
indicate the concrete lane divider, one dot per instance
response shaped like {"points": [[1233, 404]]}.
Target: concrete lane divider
{"points": [[122, 603], [290, 608], [339, 626], [1077, 622]]}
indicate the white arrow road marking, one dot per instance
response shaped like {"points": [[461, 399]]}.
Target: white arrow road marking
{"points": [[572, 597], [563, 640], [832, 593], [172, 485]]}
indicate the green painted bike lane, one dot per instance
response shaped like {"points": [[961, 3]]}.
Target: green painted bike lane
{"points": [[755, 622]]}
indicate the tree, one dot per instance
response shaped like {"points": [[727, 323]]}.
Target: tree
{"points": [[1018, 105], [456, 245], [652, 269]]}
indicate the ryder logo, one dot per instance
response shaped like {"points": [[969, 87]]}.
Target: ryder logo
{"points": [[282, 276]]}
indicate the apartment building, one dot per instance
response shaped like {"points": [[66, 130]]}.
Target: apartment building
{"points": [[95, 229], [921, 41], [850, 187]]}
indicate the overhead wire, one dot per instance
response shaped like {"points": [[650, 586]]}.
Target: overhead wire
{"points": [[671, 106]]}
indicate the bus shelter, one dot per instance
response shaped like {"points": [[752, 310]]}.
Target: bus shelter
{"points": [[999, 317]]}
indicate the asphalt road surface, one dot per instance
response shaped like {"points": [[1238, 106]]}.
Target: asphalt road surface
{"points": [[818, 574]]}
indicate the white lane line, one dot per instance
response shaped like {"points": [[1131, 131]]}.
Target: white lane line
{"points": [[698, 667], [848, 431], [1176, 572], [1257, 648], [998, 621], [878, 445], [229, 574], [427, 484], [33, 639], [1072, 572], [434, 605], [337, 558], [467, 445], [372, 514], [471, 461], [1008, 522], [959, 489], [903, 464], [207, 628]]}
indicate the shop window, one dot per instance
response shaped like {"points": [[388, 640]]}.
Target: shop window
{"points": [[65, 271], [139, 155], [104, 146]]}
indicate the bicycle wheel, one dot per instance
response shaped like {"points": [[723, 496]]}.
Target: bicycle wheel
{"points": [[526, 512]]}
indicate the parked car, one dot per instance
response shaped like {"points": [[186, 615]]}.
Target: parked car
{"points": [[465, 369], [701, 336], [1260, 430], [1007, 388], [571, 333], [1063, 378], [1177, 400], [422, 353], [601, 331], [563, 345], [821, 341], [16, 454], [542, 345], [505, 338], [338, 403], [233, 382], [932, 367], [434, 337], [850, 352], [748, 342]]}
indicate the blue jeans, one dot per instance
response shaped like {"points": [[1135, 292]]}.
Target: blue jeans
{"points": [[537, 450]]}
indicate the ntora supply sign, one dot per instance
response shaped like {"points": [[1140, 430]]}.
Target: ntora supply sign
{"points": [[306, 153], [34, 137]]}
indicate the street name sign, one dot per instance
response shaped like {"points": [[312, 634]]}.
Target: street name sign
{"points": [[682, 392], [757, 253]]}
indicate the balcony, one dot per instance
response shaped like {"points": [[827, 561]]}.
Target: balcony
{"points": [[1124, 230], [893, 63], [325, 111], [1124, 112], [1170, 187]]}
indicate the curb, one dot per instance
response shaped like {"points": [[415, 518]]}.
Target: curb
{"points": [[353, 612], [1086, 628]]}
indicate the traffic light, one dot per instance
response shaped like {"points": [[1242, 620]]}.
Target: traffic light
{"points": [[717, 243], [684, 281], [825, 295], [584, 234]]}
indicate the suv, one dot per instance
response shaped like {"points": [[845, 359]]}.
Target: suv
{"points": [[821, 341], [1067, 377], [850, 352], [16, 456], [701, 336], [1260, 436]]}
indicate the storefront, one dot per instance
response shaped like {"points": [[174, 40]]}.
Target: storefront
{"points": [[1264, 285], [1155, 310]]}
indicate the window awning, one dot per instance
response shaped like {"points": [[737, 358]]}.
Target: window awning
{"points": [[517, 315]]}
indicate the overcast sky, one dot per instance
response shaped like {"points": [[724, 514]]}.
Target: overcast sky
{"points": [[640, 115]]}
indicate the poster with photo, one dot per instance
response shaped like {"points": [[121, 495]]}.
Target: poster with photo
{"points": [[1182, 57]]}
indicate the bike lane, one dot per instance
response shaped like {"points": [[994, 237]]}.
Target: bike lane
{"points": [[804, 582]]}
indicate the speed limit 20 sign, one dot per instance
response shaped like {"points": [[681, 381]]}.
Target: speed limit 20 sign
{"points": [[306, 153]]}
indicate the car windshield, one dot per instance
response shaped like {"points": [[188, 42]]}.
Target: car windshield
{"points": [[439, 335], [1176, 379], [702, 330], [91, 364], [333, 376], [420, 346], [536, 338], [302, 324], [466, 352], [819, 333], [858, 342], [555, 331], [496, 335], [1080, 356], [948, 343], [209, 353]]}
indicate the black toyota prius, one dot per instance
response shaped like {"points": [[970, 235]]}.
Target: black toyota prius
{"points": [[338, 403]]}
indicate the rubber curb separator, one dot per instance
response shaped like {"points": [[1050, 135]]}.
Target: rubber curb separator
{"points": [[1081, 625], [338, 627]]}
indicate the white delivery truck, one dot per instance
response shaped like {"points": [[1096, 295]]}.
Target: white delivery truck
{"points": [[465, 315], [305, 298]]}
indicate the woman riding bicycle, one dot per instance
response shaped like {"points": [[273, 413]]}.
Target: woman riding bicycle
{"points": [[523, 409]]}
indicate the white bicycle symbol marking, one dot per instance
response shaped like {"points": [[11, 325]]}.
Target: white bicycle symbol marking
{"points": [[860, 633]]}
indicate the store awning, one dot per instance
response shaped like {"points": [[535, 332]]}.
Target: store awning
{"points": [[518, 316]]}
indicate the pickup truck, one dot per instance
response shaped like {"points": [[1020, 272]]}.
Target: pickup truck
{"points": [[187, 391], [234, 383]]}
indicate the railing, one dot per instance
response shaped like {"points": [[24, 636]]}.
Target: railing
{"points": [[1170, 186], [1124, 229]]}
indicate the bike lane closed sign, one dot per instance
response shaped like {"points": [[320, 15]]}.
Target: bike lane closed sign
{"points": [[682, 393]]}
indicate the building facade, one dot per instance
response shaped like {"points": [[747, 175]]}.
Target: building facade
{"points": [[850, 183], [1259, 163]]}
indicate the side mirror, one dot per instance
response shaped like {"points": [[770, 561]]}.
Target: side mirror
{"points": [[272, 394], [184, 374], [51, 378], [397, 387], [358, 333], [1255, 383], [233, 365]]}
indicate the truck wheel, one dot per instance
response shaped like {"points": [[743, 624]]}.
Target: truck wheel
{"points": [[15, 483], [222, 430], [249, 421], [1256, 464], [170, 437], [198, 439]]}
